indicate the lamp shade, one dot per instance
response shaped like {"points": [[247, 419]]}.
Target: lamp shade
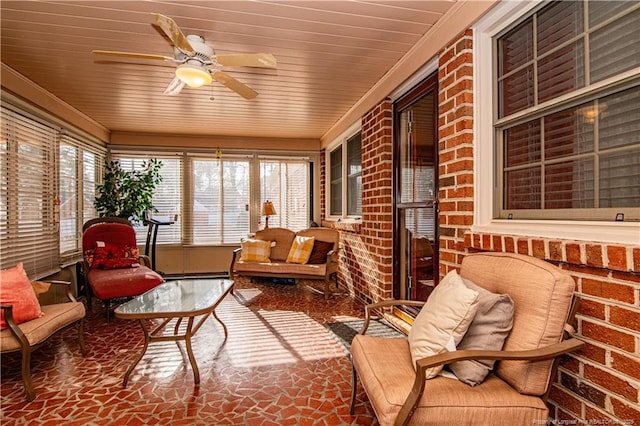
{"points": [[193, 75], [268, 209]]}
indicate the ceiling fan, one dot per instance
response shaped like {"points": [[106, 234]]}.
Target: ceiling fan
{"points": [[197, 62]]}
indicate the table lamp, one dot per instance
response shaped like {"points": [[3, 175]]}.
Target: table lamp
{"points": [[267, 210]]}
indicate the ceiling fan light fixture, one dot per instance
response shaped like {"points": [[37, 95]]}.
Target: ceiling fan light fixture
{"points": [[193, 75]]}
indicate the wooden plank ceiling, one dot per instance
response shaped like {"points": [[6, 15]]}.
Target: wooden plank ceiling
{"points": [[329, 53]]}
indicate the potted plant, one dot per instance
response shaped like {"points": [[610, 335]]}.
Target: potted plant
{"points": [[128, 193]]}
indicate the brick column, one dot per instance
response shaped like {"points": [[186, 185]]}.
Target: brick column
{"points": [[366, 260], [455, 146]]}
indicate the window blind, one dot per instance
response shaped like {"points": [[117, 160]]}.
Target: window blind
{"points": [[354, 175], [220, 200], [578, 156], [80, 171], [286, 184], [167, 197], [28, 183]]}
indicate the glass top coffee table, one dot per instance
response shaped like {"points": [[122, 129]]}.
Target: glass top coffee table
{"points": [[175, 300]]}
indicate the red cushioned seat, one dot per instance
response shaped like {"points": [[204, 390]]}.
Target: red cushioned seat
{"points": [[112, 267], [114, 283]]}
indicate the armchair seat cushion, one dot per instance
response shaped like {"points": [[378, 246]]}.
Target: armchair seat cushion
{"points": [[445, 400], [38, 330], [126, 282]]}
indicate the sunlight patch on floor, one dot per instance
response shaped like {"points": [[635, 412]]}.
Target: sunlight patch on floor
{"points": [[267, 337]]}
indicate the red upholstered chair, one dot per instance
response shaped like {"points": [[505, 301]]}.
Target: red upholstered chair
{"points": [[112, 268]]}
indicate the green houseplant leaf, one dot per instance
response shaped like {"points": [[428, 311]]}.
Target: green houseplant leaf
{"points": [[128, 194]]}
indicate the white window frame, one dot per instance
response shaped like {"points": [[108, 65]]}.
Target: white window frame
{"points": [[498, 19], [340, 141]]}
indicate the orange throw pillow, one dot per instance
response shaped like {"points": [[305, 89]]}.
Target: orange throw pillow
{"points": [[16, 290]]}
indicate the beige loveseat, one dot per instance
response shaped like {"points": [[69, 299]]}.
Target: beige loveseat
{"points": [[281, 241], [514, 393]]}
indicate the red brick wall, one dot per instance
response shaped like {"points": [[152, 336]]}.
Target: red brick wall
{"points": [[366, 251], [455, 150], [602, 382]]}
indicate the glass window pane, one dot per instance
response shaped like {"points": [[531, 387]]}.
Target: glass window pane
{"points": [[206, 195], [516, 47], [354, 175], [567, 133], [235, 215], [335, 159], [619, 119], [166, 198], [569, 185], [286, 184], [600, 11], [516, 92], [220, 200], [522, 189], [615, 48], [561, 71], [68, 198], [90, 180], [522, 144], [558, 23], [619, 179]]}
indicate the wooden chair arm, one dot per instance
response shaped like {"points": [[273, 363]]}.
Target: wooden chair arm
{"points": [[145, 260], [234, 258], [7, 309], [423, 364], [385, 304], [332, 255]]}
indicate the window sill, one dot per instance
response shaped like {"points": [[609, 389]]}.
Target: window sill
{"points": [[347, 225]]}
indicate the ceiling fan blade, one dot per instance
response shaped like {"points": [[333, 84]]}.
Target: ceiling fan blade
{"points": [[233, 84], [173, 31], [133, 55], [261, 60], [174, 87]]}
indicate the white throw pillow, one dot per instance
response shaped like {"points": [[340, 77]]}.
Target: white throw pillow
{"points": [[446, 316]]}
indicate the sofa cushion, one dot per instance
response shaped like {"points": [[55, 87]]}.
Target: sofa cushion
{"points": [[281, 239], [386, 372], [255, 251], [319, 252], [16, 290], [38, 330], [527, 280], [280, 268], [488, 331], [300, 249], [109, 284], [444, 319]]}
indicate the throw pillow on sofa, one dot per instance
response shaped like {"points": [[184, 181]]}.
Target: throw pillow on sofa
{"points": [[301, 249], [255, 251], [16, 290], [319, 253], [112, 256], [488, 331], [443, 320]]}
